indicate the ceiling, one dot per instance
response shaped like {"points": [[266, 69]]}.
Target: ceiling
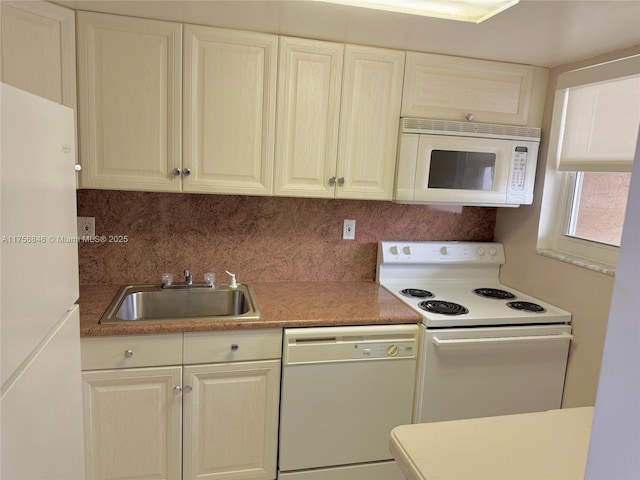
{"points": [[545, 33]]}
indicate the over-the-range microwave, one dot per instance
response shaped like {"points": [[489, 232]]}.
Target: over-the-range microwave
{"points": [[465, 163]]}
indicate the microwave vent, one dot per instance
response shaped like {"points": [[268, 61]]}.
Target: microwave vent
{"points": [[446, 127]]}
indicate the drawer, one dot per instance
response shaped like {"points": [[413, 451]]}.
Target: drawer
{"points": [[131, 351], [232, 346]]}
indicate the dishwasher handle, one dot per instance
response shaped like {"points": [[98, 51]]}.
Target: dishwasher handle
{"points": [[493, 340]]}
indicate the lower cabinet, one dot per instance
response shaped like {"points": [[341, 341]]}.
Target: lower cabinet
{"points": [[132, 421], [192, 421], [231, 420]]}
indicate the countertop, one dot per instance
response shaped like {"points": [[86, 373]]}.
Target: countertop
{"points": [[546, 445], [283, 304]]}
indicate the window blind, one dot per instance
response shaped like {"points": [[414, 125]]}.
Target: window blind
{"points": [[600, 117]]}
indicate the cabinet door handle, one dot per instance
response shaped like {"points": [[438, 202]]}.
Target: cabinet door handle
{"points": [[341, 181], [332, 181], [176, 172], [234, 346], [179, 389], [128, 353], [186, 172]]}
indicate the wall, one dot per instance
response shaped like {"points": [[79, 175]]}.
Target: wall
{"points": [[585, 293], [258, 238], [615, 435]]}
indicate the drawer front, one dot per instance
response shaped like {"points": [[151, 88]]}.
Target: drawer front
{"points": [[131, 351], [232, 346]]}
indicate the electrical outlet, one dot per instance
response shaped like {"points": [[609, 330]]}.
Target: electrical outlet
{"points": [[86, 226], [349, 230]]}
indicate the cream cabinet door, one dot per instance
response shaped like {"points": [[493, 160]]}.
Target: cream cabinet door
{"points": [[39, 50], [309, 83], [451, 88], [229, 111], [231, 420], [369, 122], [129, 102], [132, 423]]}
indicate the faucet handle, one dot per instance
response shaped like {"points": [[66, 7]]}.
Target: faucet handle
{"points": [[233, 283], [210, 279], [167, 279]]}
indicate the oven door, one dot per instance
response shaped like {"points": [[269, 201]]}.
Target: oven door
{"points": [[483, 372]]}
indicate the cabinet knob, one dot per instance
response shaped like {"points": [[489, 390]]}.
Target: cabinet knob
{"points": [[332, 181], [186, 172], [234, 346], [179, 389], [470, 117], [128, 353], [341, 181], [176, 172], [78, 167]]}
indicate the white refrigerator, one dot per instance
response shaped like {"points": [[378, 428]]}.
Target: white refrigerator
{"points": [[41, 393]]}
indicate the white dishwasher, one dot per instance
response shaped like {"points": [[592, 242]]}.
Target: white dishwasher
{"points": [[343, 390]]}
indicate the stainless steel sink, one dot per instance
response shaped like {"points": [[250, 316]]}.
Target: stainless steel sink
{"points": [[136, 303]]}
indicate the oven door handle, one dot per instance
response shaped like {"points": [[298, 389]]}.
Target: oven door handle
{"points": [[485, 340]]}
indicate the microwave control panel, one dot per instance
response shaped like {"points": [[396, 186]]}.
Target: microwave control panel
{"points": [[518, 168]]}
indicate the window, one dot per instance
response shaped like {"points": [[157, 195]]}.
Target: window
{"points": [[598, 205], [594, 131]]}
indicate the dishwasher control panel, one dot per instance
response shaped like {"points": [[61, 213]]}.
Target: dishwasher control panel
{"points": [[349, 344], [383, 350]]}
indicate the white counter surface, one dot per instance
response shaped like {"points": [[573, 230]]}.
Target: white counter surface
{"points": [[547, 445]]}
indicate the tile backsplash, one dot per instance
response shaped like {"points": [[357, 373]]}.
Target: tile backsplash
{"points": [[258, 238]]}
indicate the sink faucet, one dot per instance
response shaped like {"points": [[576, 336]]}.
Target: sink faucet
{"points": [[167, 281]]}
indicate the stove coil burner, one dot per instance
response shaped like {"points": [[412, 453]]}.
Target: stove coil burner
{"points": [[416, 293], [494, 293], [526, 307], [443, 307]]}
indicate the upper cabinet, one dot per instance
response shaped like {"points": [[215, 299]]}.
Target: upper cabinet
{"points": [[38, 50], [129, 102], [455, 88], [259, 114], [338, 117], [229, 111], [369, 122], [131, 106], [309, 84]]}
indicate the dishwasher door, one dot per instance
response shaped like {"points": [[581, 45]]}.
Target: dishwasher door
{"points": [[343, 390]]}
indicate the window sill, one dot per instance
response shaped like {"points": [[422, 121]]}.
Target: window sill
{"points": [[579, 261]]}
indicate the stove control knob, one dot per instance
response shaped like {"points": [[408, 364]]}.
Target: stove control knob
{"points": [[406, 250], [394, 250], [481, 251], [444, 250]]}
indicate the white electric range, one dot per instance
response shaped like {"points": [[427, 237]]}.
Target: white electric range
{"points": [[486, 348]]}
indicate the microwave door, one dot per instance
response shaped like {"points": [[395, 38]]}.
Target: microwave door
{"points": [[461, 170]]}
